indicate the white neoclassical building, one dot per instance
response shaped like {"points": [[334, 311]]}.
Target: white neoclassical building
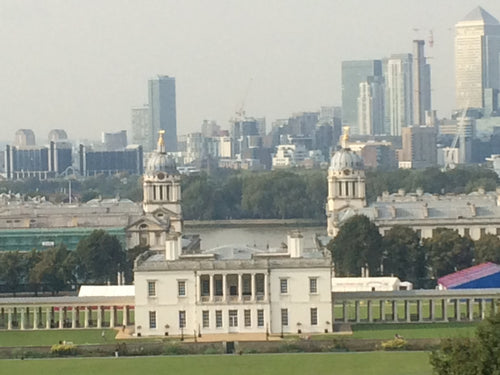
{"points": [[234, 289], [473, 214]]}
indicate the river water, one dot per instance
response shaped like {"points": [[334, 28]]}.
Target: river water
{"points": [[258, 236]]}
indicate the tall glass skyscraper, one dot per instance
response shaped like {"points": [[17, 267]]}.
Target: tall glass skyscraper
{"points": [[353, 73], [162, 111], [477, 54]]}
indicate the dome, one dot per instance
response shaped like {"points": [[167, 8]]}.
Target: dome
{"points": [[346, 159], [159, 162]]}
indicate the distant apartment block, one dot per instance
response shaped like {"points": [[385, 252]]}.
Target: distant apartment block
{"points": [[130, 160]]}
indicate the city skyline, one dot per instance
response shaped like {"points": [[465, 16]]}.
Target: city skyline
{"points": [[69, 66]]}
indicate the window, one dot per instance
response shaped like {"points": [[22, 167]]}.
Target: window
{"points": [[233, 318], [248, 318], [482, 232], [182, 319], [181, 288], [151, 288], [283, 286], [152, 319], [206, 319], [314, 316], [284, 317], [313, 285], [260, 318], [205, 287], [466, 232], [218, 318]]}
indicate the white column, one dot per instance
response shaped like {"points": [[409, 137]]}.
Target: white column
{"points": [[457, 309], [9, 318], [112, 312], [358, 315], [48, 312], [470, 305], [432, 310], [395, 310], [382, 310], [252, 282], [35, 318], [420, 311], [266, 287], [370, 312], [240, 287], [211, 292], [74, 310], [224, 287], [21, 326], [99, 316], [408, 310], [61, 317], [445, 309], [198, 288], [86, 317], [124, 316], [483, 308]]}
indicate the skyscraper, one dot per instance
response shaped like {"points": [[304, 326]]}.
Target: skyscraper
{"points": [[141, 128], [421, 83], [353, 73], [399, 92], [371, 106], [477, 51], [162, 110]]}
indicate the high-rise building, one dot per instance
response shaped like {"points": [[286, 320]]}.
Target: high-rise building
{"points": [[162, 111], [477, 54], [419, 147], [141, 128], [116, 141], [421, 83], [353, 73], [399, 92], [371, 106], [24, 137]]}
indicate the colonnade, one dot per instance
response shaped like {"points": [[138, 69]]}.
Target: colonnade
{"points": [[408, 306], [25, 317], [233, 287]]}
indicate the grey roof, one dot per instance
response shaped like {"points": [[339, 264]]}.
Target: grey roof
{"points": [[396, 208], [479, 14], [346, 158]]}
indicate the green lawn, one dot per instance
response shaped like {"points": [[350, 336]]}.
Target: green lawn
{"points": [[51, 337], [375, 363], [413, 331]]}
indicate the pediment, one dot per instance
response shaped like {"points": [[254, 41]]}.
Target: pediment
{"points": [[146, 222]]}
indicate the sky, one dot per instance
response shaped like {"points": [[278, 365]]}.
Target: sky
{"points": [[82, 65]]}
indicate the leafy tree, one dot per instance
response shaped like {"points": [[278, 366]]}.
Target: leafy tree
{"points": [[357, 244], [99, 257], [465, 356], [487, 249], [13, 270], [448, 252], [403, 255], [54, 269], [132, 254]]}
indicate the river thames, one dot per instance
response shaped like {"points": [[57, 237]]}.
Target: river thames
{"points": [[258, 236]]}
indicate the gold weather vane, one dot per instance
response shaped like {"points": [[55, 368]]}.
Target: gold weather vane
{"points": [[345, 137], [161, 141]]}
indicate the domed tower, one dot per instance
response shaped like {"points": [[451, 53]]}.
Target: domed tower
{"points": [[162, 188], [346, 186]]}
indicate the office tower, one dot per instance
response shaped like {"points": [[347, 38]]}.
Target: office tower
{"points": [[57, 135], [142, 133], [371, 106], [114, 141], [421, 83], [399, 92], [162, 111], [419, 147], [353, 73], [129, 160], [24, 137], [477, 50]]}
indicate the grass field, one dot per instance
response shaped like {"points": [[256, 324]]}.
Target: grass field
{"points": [[375, 363], [414, 331], [51, 337]]}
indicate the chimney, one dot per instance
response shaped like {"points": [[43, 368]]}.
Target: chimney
{"points": [[173, 246], [295, 244]]}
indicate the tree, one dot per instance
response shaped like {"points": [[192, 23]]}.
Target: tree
{"points": [[55, 269], [466, 356], [487, 249], [13, 270], [358, 244], [448, 252], [403, 255], [99, 257]]}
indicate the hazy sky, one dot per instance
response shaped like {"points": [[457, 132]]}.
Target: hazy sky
{"points": [[82, 65]]}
